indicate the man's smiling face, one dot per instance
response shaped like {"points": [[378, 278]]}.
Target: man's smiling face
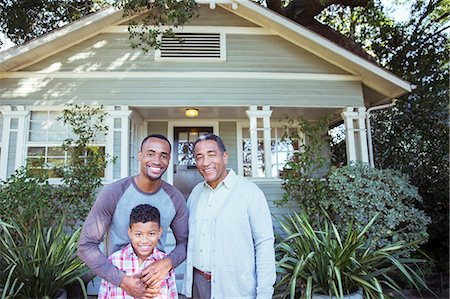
{"points": [[154, 158]]}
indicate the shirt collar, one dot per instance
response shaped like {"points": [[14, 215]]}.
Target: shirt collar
{"points": [[228, 181]]}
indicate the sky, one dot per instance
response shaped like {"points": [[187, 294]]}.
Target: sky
{"points": [[399, 12]]}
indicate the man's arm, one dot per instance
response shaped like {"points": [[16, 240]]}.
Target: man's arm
{"points": [[157, 271], [179, 226], [94, 229], [262, 231]]}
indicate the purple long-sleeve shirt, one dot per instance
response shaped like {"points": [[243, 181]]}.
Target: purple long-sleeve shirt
{"points": [[106, 226]]}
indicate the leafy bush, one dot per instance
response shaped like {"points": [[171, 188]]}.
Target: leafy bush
{"points": [[302, 182], [323, 262], [359, 192], [40, 259], [351, 192], [86, 166], [28, 188], [24, 192]]}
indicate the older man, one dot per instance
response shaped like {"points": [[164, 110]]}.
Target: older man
{"points": [[231, 242]]}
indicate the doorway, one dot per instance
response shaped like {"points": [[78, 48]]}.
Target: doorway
{"points": [[185, 174]]}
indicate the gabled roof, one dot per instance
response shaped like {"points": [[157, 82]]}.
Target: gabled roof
{"points": [[375, 79]]}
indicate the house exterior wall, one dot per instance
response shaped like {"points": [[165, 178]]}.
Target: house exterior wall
{"points": [[213, 17], [227, 131], [245, 52], [183, 91]]}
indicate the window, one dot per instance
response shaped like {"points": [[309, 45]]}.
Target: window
{"points": [[192, 46], [281, 150], [45, 137]]}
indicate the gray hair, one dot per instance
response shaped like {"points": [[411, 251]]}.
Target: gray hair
{"points": [[212, 137]]}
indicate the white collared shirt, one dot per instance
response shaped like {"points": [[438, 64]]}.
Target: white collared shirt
{"points": [[209, 204]]}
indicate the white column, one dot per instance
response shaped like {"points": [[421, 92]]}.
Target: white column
{"points": [[362, 136], [253, 114], [123, 113], [266, 113], [20, 114], [356, 134], [254, 139], [348, 116]]}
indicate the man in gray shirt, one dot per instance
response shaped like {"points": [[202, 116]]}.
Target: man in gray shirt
{"points": [[105, 228]]}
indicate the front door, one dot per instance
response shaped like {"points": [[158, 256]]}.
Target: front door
{"points": [[185, 174]]}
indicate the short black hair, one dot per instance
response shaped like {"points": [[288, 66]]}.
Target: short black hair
{"points": [[159, 136], [145, 213], [213, 137]]}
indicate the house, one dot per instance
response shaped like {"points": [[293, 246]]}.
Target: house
{"points": [[249, 69]]}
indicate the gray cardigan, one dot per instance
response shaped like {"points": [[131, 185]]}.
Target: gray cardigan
{"points": [[243, 257]]}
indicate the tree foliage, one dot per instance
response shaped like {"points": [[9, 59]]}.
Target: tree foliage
{"points": [[23, 20], [412, 137]]}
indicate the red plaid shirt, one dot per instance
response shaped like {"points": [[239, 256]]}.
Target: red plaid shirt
{"points": [[127, 261]]}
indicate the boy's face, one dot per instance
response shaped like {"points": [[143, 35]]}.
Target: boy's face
{"points": [[144, 237]]}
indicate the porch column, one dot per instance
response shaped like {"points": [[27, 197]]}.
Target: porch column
{"points": [[118, 140], [254, 113], [13, 138], [356, 134]]}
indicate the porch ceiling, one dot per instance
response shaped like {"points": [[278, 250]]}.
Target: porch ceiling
{"points": [[228, 113]]}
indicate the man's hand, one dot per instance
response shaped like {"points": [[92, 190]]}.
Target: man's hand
{"points": [[154, 274], [134, 287]]}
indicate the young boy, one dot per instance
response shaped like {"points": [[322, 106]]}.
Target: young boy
{"points": [[144, 232]]}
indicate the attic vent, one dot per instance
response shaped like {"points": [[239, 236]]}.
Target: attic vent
{"points": [[192, 46]]}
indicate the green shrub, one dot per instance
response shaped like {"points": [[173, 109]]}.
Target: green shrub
{"points": [[322, 261], [28, 188], [24, 192], [40, 259], [302, 182], [359, 192]]}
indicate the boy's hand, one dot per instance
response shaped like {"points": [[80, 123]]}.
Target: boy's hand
{"points": [[154, 274], [133, 286]]}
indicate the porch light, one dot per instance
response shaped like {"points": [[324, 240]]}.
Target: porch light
{"points": [[191, 112]]}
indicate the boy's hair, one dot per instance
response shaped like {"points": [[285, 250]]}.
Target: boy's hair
{"points": [[145, 213], [159, 136], [212, 137]]}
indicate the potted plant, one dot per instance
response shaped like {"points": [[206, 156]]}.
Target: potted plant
{"points": [[41, 260], [321, 261]]}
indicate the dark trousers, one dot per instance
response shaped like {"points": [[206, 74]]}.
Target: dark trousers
{"points": [[201, 288]]}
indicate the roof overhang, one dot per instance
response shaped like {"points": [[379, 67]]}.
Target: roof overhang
{"points": [[383, 85], [386, 84], [21, 56]]}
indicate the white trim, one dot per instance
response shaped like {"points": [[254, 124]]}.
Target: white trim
{"points": [[21, 138], [223, 47], [5, 146], [124, 115], [363, 134], [348, 115], [109, 148], [124, 144], [186, 123], [199, 75], [240, 150], [267, 142], [199, 29]]}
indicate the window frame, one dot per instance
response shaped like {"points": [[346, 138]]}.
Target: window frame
{"points": [[46, 144], [240, 139]]}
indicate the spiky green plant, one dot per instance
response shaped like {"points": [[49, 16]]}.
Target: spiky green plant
{"points": [[323, 262], [41, 259]]}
